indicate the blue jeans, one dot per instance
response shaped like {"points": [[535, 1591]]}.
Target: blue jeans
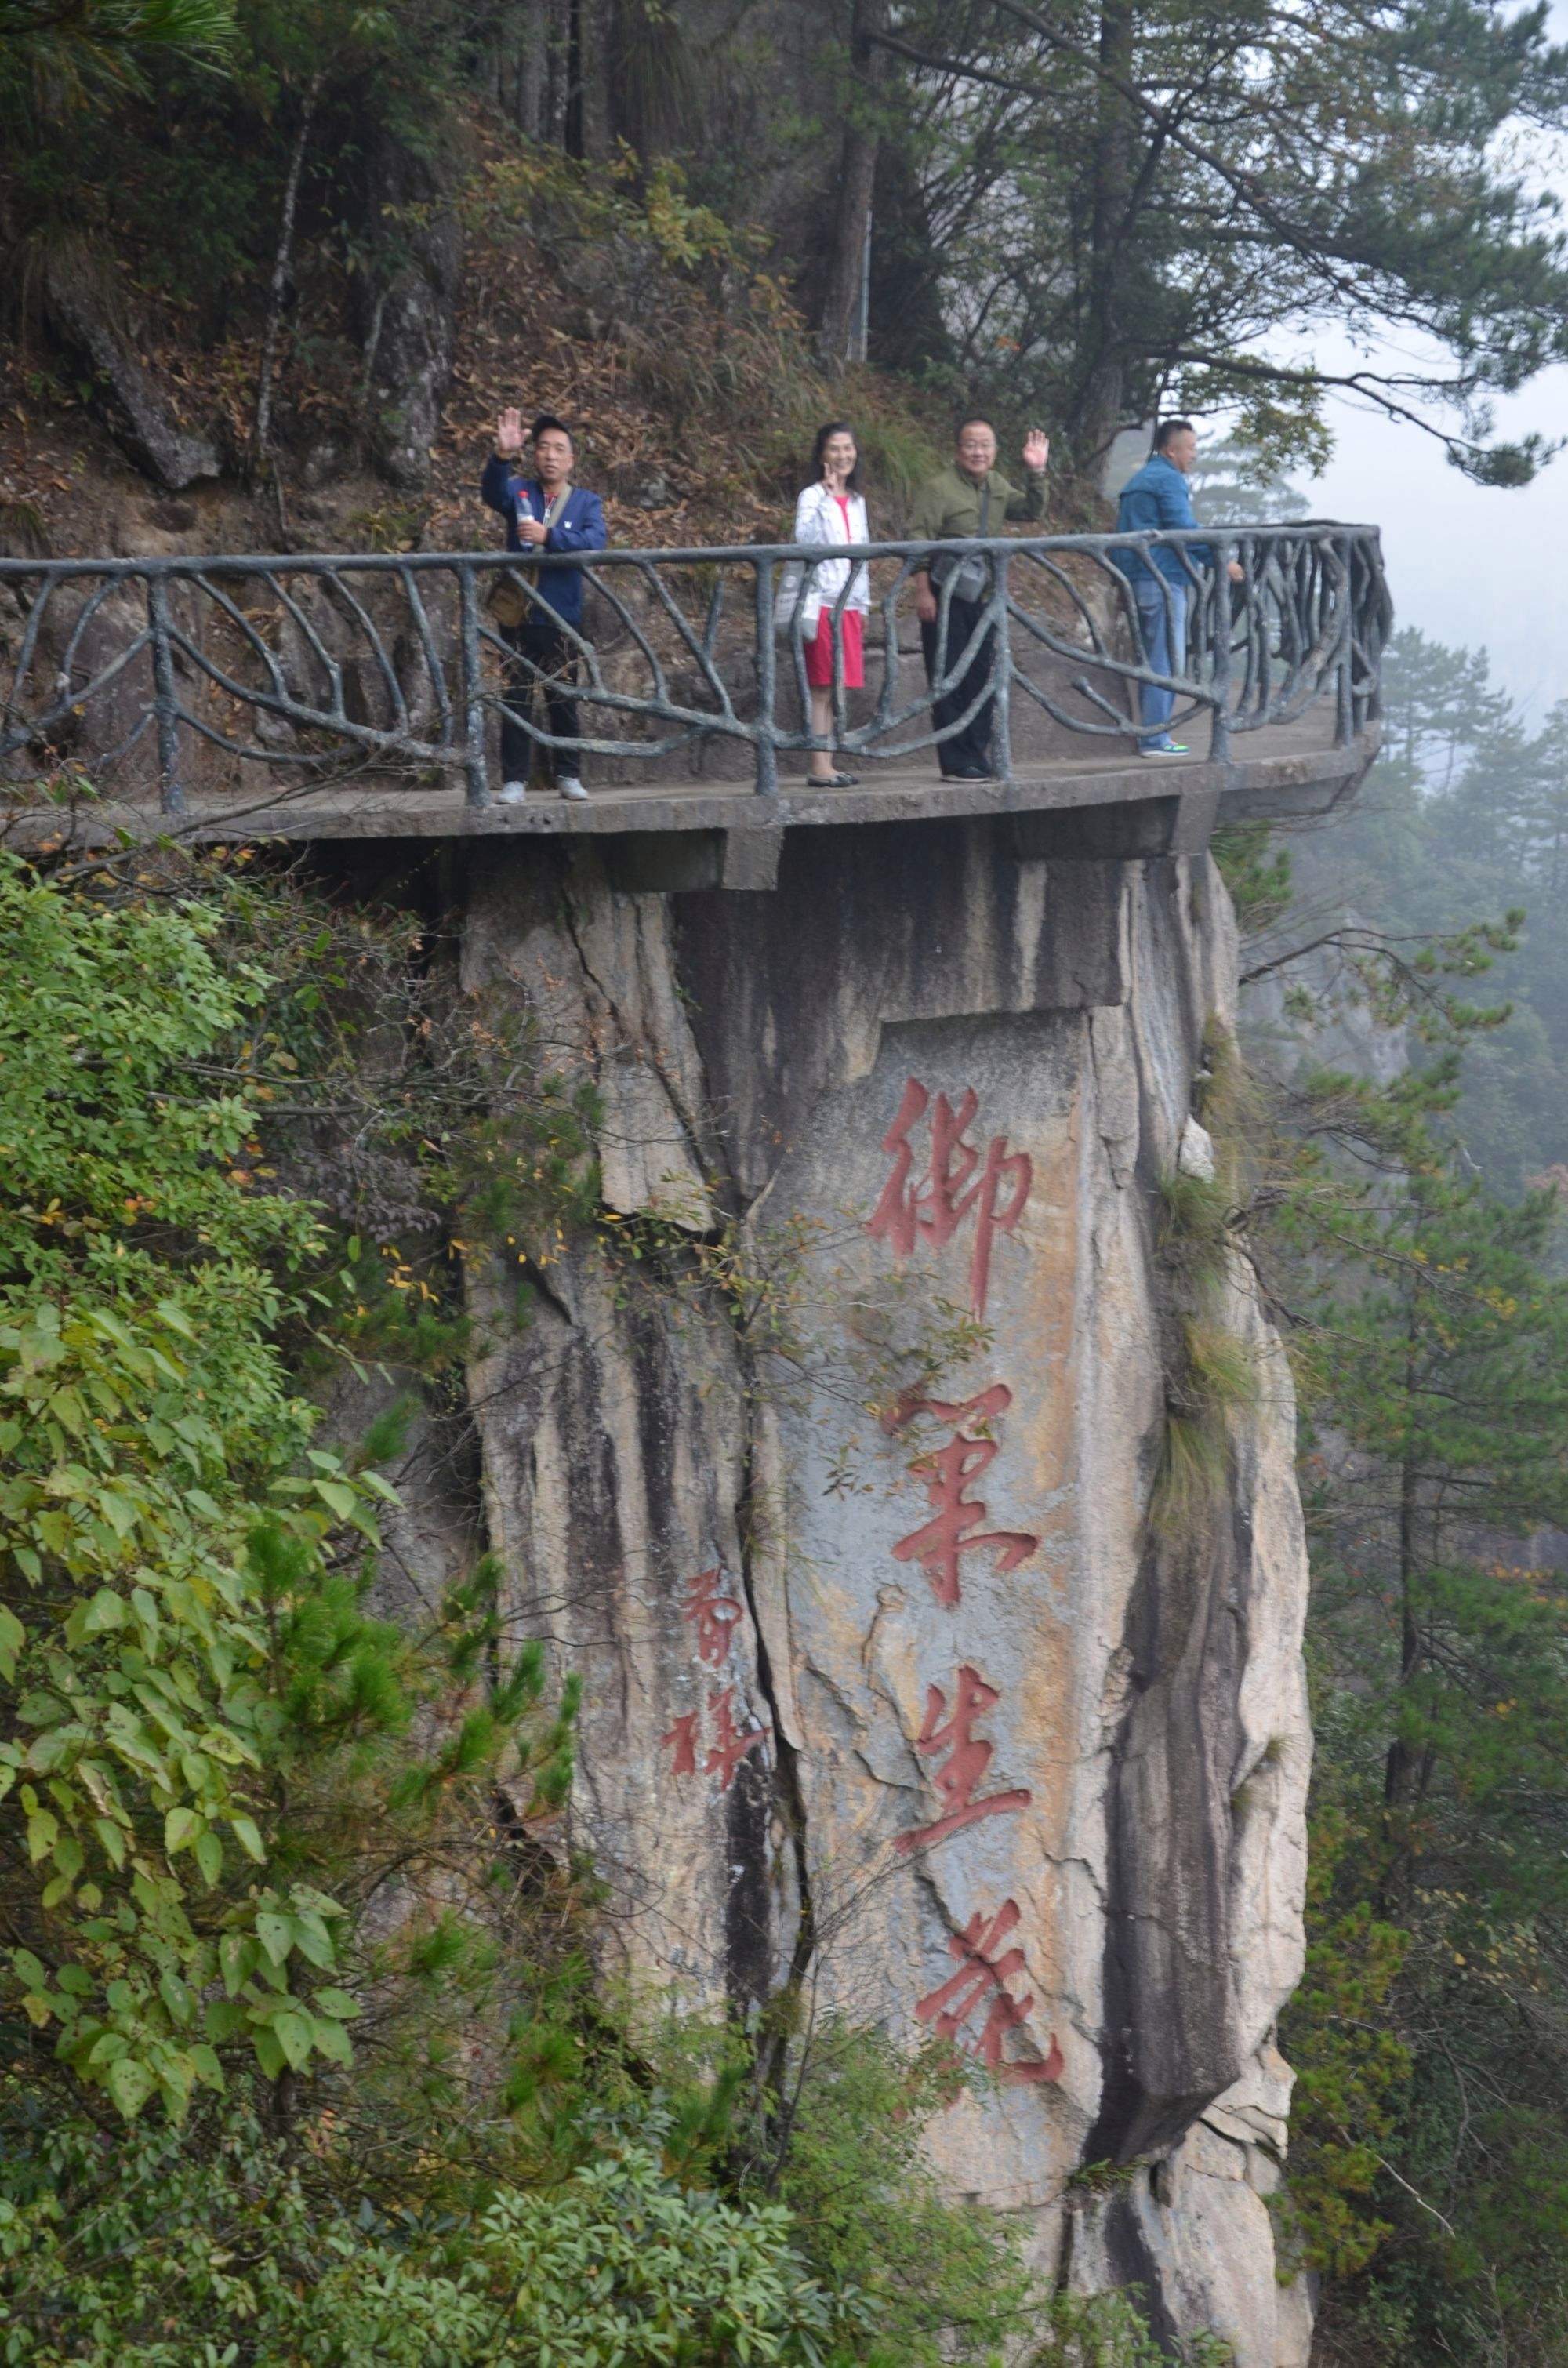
{"points": [[1163, 633]]}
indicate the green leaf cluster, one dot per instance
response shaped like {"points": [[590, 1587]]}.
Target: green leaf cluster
{"points": [[147, 1432], [217, 2244], [68, 54]]}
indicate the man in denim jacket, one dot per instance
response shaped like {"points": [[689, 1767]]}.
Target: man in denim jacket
{"points": [[1158, 497], [544, 513]]}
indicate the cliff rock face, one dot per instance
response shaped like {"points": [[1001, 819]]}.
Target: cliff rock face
{"points": [[892, 1683]]}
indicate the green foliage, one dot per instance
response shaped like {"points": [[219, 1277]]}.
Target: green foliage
{"points": [[623, 2264], [216, 2245], [215, 1755], [182, 181], [1257, 874], [64, 54], [1195, 1231], [1109, 2331], [941, 2283], [828, 2119], [149, 1446], [1352, 2069], [1209, 1372], [208, 1727], [1432, 1337], [1101, 265]]}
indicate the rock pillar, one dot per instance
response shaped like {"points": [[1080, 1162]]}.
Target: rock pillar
{"points": [[895, 1679]]}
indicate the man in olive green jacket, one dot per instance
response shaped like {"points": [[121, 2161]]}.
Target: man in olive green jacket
{"points": [[973, 497]]}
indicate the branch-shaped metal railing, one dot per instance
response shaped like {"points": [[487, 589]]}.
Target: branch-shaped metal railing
{"points": [[401, 665]]}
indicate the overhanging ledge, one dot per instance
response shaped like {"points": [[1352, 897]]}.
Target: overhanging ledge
{"points": [[1105, 808]]}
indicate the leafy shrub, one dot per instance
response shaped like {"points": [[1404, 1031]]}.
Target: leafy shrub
{"points": [[209, 1738], [946, 2280], [212, 2249], [148, 1437], [1109, 2331]]}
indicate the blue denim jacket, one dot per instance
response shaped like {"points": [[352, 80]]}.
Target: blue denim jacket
{"points": [[1157, 496]]}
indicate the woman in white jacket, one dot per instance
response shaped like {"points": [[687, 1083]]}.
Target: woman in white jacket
{"points": [[831, 510]]}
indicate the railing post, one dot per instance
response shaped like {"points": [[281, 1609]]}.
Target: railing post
{"points": [[165, 698], [1344, 665], [1220, 740], [474, 764], [1378, 618], [1002, 710], [767, 684]]}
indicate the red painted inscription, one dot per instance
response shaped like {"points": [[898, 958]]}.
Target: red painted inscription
{"points": [[727, 1749], [729, 1746], [959, 1182], [969, 1757], [683, 1737], [713, 1613], [981, 1979], [955, 1528]]}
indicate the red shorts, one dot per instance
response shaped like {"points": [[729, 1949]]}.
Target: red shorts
{"points": [[819, 653]]}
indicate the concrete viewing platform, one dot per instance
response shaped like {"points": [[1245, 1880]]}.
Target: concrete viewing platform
{"points": [[346, 699], [722, 833]]}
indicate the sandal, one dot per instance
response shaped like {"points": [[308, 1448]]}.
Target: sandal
{"points": [[832, 780]]}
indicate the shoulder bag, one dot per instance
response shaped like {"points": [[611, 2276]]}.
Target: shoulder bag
{"points": [[969, 575]]}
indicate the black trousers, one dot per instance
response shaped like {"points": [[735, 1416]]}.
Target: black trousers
{"points": [[545, 667], [972, 745]]}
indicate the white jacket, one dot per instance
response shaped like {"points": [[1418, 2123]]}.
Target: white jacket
{"points": [[818, 518]]}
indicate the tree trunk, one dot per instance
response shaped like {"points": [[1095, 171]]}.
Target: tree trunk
{"points": [[533, 77], [282, 266], [1400, 1767], [1103, 379], [857, 180], [574, 128]]}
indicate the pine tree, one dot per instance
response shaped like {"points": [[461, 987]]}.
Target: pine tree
{"points": [[1431, 2034]]}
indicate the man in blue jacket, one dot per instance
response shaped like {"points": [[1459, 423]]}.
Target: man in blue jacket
{"points": [[1158, 497], [544, 513]]}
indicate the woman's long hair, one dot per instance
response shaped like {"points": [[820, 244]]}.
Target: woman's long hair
{"points": [[836, 428]]}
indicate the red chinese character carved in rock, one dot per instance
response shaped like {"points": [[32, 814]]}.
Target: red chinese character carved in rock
{"points": [[727, 1749], [955, 1528], [713, 1613], [934, 1209], [969, 1757], [982, 1972], [683, 1736]]}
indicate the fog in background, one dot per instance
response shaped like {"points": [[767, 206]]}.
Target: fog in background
{"points": [[1466, 564]]}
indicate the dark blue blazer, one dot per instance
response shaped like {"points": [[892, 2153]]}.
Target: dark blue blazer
{"points": [[580, 527]]}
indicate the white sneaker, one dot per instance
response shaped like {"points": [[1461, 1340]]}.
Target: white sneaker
{"points": [[571, 787], [513, 794]]}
